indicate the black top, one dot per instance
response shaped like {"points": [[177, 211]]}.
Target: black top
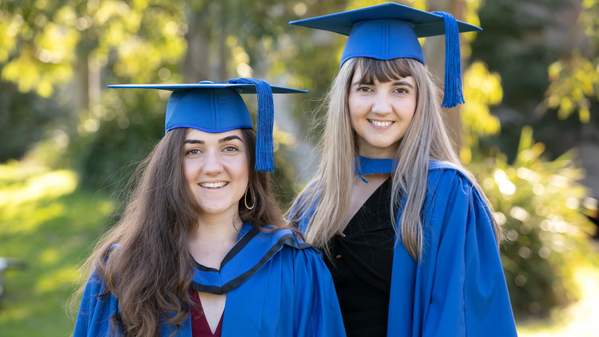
{"points": [[361, 266]]}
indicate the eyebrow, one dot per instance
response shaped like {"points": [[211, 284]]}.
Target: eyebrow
{"points": [[399, 82], [403, 82], [222, 140], [361, 83]]}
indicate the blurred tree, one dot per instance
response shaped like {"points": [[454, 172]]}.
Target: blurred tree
{"points": [[575, 77], [482, 89], [547, 63], [537, 202], [25, 119], [69, 44], [45, 42]]}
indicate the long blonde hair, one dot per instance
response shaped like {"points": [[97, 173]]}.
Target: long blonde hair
{"points": [[327, 196]]}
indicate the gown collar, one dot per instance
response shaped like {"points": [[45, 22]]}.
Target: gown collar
{"points": [[366, 166], [254, 248]]}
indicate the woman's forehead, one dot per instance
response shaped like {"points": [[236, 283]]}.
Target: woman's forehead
{"points": [[370, 71], [195, 134], [372, 78]]}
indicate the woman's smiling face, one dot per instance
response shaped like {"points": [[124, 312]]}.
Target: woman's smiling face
{"points": [[216, 168], [380, 113]]}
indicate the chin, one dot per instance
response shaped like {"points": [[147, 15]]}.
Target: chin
{"points": [[378, 147], [213, 208], [380, 139], [384, 145]]}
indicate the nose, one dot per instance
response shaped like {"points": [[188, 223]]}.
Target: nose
{"points": [[212, 163], [382, 105]]}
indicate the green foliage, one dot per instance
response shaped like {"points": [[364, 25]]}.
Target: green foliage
{"points": [[47, 43], [575, 77], [39, 45], [130, 122], [574, 84], [25, 119], [482, 89], [546, 54], [43, 42], [536, 200], [545, 235]]}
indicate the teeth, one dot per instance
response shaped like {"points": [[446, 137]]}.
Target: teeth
{"points": [[214, 184], [380, 124]]}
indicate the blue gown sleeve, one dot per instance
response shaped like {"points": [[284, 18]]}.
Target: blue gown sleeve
{"points": [[469, 296], [96, 310], [318, 313]]}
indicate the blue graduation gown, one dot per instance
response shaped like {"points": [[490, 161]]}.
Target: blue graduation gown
{"points": [[458, 288], [276, 285]]}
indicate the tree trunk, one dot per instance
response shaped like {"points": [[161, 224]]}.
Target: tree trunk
{"points": [[435, 59], [81, 100], [196, 65], [221, 39]]}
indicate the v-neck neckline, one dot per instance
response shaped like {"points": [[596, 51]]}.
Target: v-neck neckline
{"points": [[366, 201], [198, 301]]}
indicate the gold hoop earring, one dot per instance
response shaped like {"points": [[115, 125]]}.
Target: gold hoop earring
{"points": [[245, 200]]}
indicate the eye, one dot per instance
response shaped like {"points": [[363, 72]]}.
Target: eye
{"points": [[402, 90], [230, 148], [192, 152], [364, 88]]}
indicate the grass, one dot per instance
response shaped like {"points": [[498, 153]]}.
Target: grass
{"points": [[51, 225]]}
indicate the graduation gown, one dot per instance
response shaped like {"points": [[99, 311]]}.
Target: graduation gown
{"points": [[276, 285], [458, 288]]}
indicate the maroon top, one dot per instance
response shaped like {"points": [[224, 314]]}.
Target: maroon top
{"points": [[199, 324]]}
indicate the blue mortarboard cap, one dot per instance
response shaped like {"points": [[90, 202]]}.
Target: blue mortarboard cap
{"points": [[218, 107], [391, 30]]}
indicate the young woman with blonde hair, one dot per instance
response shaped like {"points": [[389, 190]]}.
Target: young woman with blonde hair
{"points": [[201, 249], [408, 233]]}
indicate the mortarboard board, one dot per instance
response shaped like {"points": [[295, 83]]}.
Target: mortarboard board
{"points": [[391, 30], [218, 107]]}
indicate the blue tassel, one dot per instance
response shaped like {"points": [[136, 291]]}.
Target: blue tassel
{"points": [[264, 139], [452, 95]]}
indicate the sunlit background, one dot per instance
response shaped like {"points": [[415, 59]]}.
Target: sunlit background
{"points": [[529, 130]]}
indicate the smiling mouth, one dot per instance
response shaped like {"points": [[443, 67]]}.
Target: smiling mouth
{"points": [[214, 185], [380, 124]]}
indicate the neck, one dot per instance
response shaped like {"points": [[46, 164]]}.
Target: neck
{"points": [[377, 154], [213, 237], [217, 228]]}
